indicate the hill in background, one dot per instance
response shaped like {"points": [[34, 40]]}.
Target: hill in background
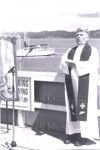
{"points": [[57, 34]]}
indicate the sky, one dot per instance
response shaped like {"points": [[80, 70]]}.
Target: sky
{"points": [[51, 15]]}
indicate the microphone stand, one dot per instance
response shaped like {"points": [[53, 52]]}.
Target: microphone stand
{"points": [[19, 61], [13, 143], [13, 70]]}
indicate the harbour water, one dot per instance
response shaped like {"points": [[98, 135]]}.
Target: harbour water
{"points": [[50, 63]]}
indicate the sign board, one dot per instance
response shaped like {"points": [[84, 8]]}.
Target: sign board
{"points": [[24, 89], [24, 92]]}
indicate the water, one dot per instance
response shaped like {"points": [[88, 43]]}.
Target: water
{"points": [[51, 63]]}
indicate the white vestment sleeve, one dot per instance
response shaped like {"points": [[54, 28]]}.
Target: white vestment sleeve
{"points": [[85, 67], [63, 65]]}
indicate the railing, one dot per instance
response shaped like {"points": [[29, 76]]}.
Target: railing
{"points": [[26, 89]]}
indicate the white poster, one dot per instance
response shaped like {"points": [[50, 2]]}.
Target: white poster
{"points": [[6, 63]]}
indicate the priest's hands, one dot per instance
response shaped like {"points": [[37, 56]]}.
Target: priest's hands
{"points": [[70, 63]]}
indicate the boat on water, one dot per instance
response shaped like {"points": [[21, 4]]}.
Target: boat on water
{"points": [[36, 50]]}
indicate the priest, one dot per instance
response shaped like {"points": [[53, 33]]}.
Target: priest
{"points": [[80, 65]]}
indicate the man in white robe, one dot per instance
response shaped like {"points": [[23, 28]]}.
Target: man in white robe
{"points": [[80, 65]]}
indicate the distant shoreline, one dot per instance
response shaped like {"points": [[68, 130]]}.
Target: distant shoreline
{"points": [[56, 34]]}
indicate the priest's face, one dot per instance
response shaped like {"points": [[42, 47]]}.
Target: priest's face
{"points": [[82, 37]]}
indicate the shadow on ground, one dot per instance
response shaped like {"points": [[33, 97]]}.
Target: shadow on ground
{"points": [[60, 135]]}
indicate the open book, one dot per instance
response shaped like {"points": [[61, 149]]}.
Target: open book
{"points": [[70, 63]]}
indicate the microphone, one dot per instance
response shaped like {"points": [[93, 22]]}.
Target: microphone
{"points": [[31, 48]]}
